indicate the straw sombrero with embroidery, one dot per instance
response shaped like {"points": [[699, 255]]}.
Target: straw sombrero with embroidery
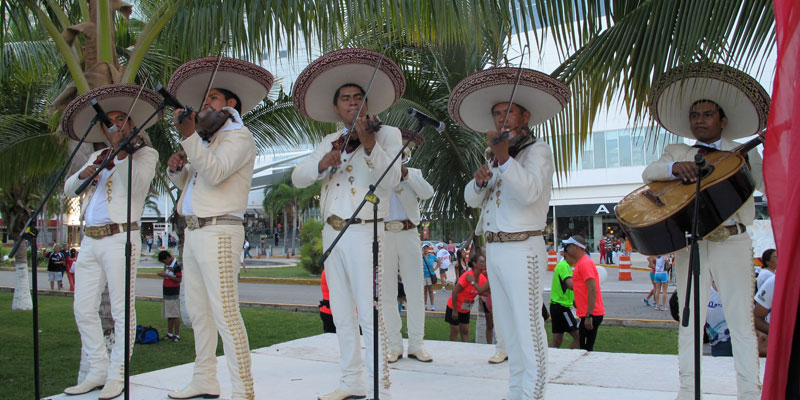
{"points": [[117, 97], [249, 82], [471, 101], [316, 85], [742, 98]]}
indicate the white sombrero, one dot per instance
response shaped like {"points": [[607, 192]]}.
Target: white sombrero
{"points": [[117, 97], [472, 99], [742, 98], [249, 82], [316, 85]]}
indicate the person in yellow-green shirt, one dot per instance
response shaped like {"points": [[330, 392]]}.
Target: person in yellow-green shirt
{"points": [[561, 300]]}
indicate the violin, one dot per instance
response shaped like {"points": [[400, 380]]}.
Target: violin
{"points": [[373, 125], [208, 121], [517, 144]]}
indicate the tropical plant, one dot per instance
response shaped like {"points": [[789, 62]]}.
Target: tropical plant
{"points": [[311, 252]]}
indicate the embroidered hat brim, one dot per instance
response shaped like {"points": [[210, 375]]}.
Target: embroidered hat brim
{"points": [[471, 101], [316, 85], [248, 81], [117, 97], [741, 97]]}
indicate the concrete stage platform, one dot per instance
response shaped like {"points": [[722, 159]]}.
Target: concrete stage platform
{"points": [[306, 368]]}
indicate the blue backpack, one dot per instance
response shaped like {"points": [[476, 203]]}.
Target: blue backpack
{"points": [[146, 334]]}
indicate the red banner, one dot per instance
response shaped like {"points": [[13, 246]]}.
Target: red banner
{"points": [[781, 159]]}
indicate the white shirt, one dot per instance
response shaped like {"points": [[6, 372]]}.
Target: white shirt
{"points": [[236, 123], [763, 275], [715, 318], [716, 146], [661, 264], [97, 210], [396, 210], [764, 295], [444, 258]]}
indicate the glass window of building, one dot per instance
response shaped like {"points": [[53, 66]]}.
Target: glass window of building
{"points": [[599, 149], [625, 159], [612, 149], [587, 155]]}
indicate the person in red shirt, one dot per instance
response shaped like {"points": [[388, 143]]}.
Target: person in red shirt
{"points": [[170, 305], [586, 285], [464, 293], [325, 307]]}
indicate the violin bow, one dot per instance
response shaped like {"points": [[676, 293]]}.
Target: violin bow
{"points": [[503, 135], [213, 74], [360, 107], [128, 114]]}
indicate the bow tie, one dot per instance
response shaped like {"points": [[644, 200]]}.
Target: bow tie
{"points": [[103, 155], [703, 150]]}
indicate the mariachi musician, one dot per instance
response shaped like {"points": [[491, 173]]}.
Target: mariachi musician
{"points": [[513, 193], [215, 182], [104, 210], [333, 89], [714, 104]]}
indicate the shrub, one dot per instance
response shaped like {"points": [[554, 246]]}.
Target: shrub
{"points": [[311, 252]]}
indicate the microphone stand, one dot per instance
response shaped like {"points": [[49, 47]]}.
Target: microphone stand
{"points": [[693, 282], [128, 246], [30, 233], [372, 198]]}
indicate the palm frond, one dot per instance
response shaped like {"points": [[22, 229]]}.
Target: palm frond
{"points": [[28, 151]]}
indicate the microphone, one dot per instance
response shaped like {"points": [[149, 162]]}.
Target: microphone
{"points": [[702, 165], [425, 119], [102, 116], [171, 101]]}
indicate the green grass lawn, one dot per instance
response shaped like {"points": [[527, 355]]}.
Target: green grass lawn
{"points": [[293, 271], [60, 342]]}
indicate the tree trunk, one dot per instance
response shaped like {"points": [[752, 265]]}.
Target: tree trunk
{"points": [[22, 289], [294, 228], [285, 233]]}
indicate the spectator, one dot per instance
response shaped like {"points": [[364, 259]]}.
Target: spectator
{"points": [[275, 236], [429, 265], [588, 296], [171, 305], [609, 242], [719, 336], [325, 307], [247, 249], [602, 247], [461, 263], [651, 263], [561, 300], [769, 261], [451, 248], [444, 264], [72, 256], [661, 280], [464, 293], [63, 264], [762, 312], [149, 244], [54, 273]]}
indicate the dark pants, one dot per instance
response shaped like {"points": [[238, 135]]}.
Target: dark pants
{"points": [[586, 337], [327, 323]]}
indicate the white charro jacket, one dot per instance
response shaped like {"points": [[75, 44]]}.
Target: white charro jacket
{"points": [[659, 170], [410, 191], [144, 169], [343, 190], [517, 199], [224, 172]]}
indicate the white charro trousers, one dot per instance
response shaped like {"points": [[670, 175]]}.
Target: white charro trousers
{"points": [[102, 261], [401, 252], [730, 263], [210, 267], [349, 270], [515, 276]]}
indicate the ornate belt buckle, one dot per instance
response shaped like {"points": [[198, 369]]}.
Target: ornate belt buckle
{"points": [[192, 222], [395, 226], [719, 235], [337, 223]]}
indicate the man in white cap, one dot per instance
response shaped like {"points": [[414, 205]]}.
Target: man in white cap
{"points": [[513, 193], [401, 254], [342, 76], [104, 210], [215, 184], [714, 104]]}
